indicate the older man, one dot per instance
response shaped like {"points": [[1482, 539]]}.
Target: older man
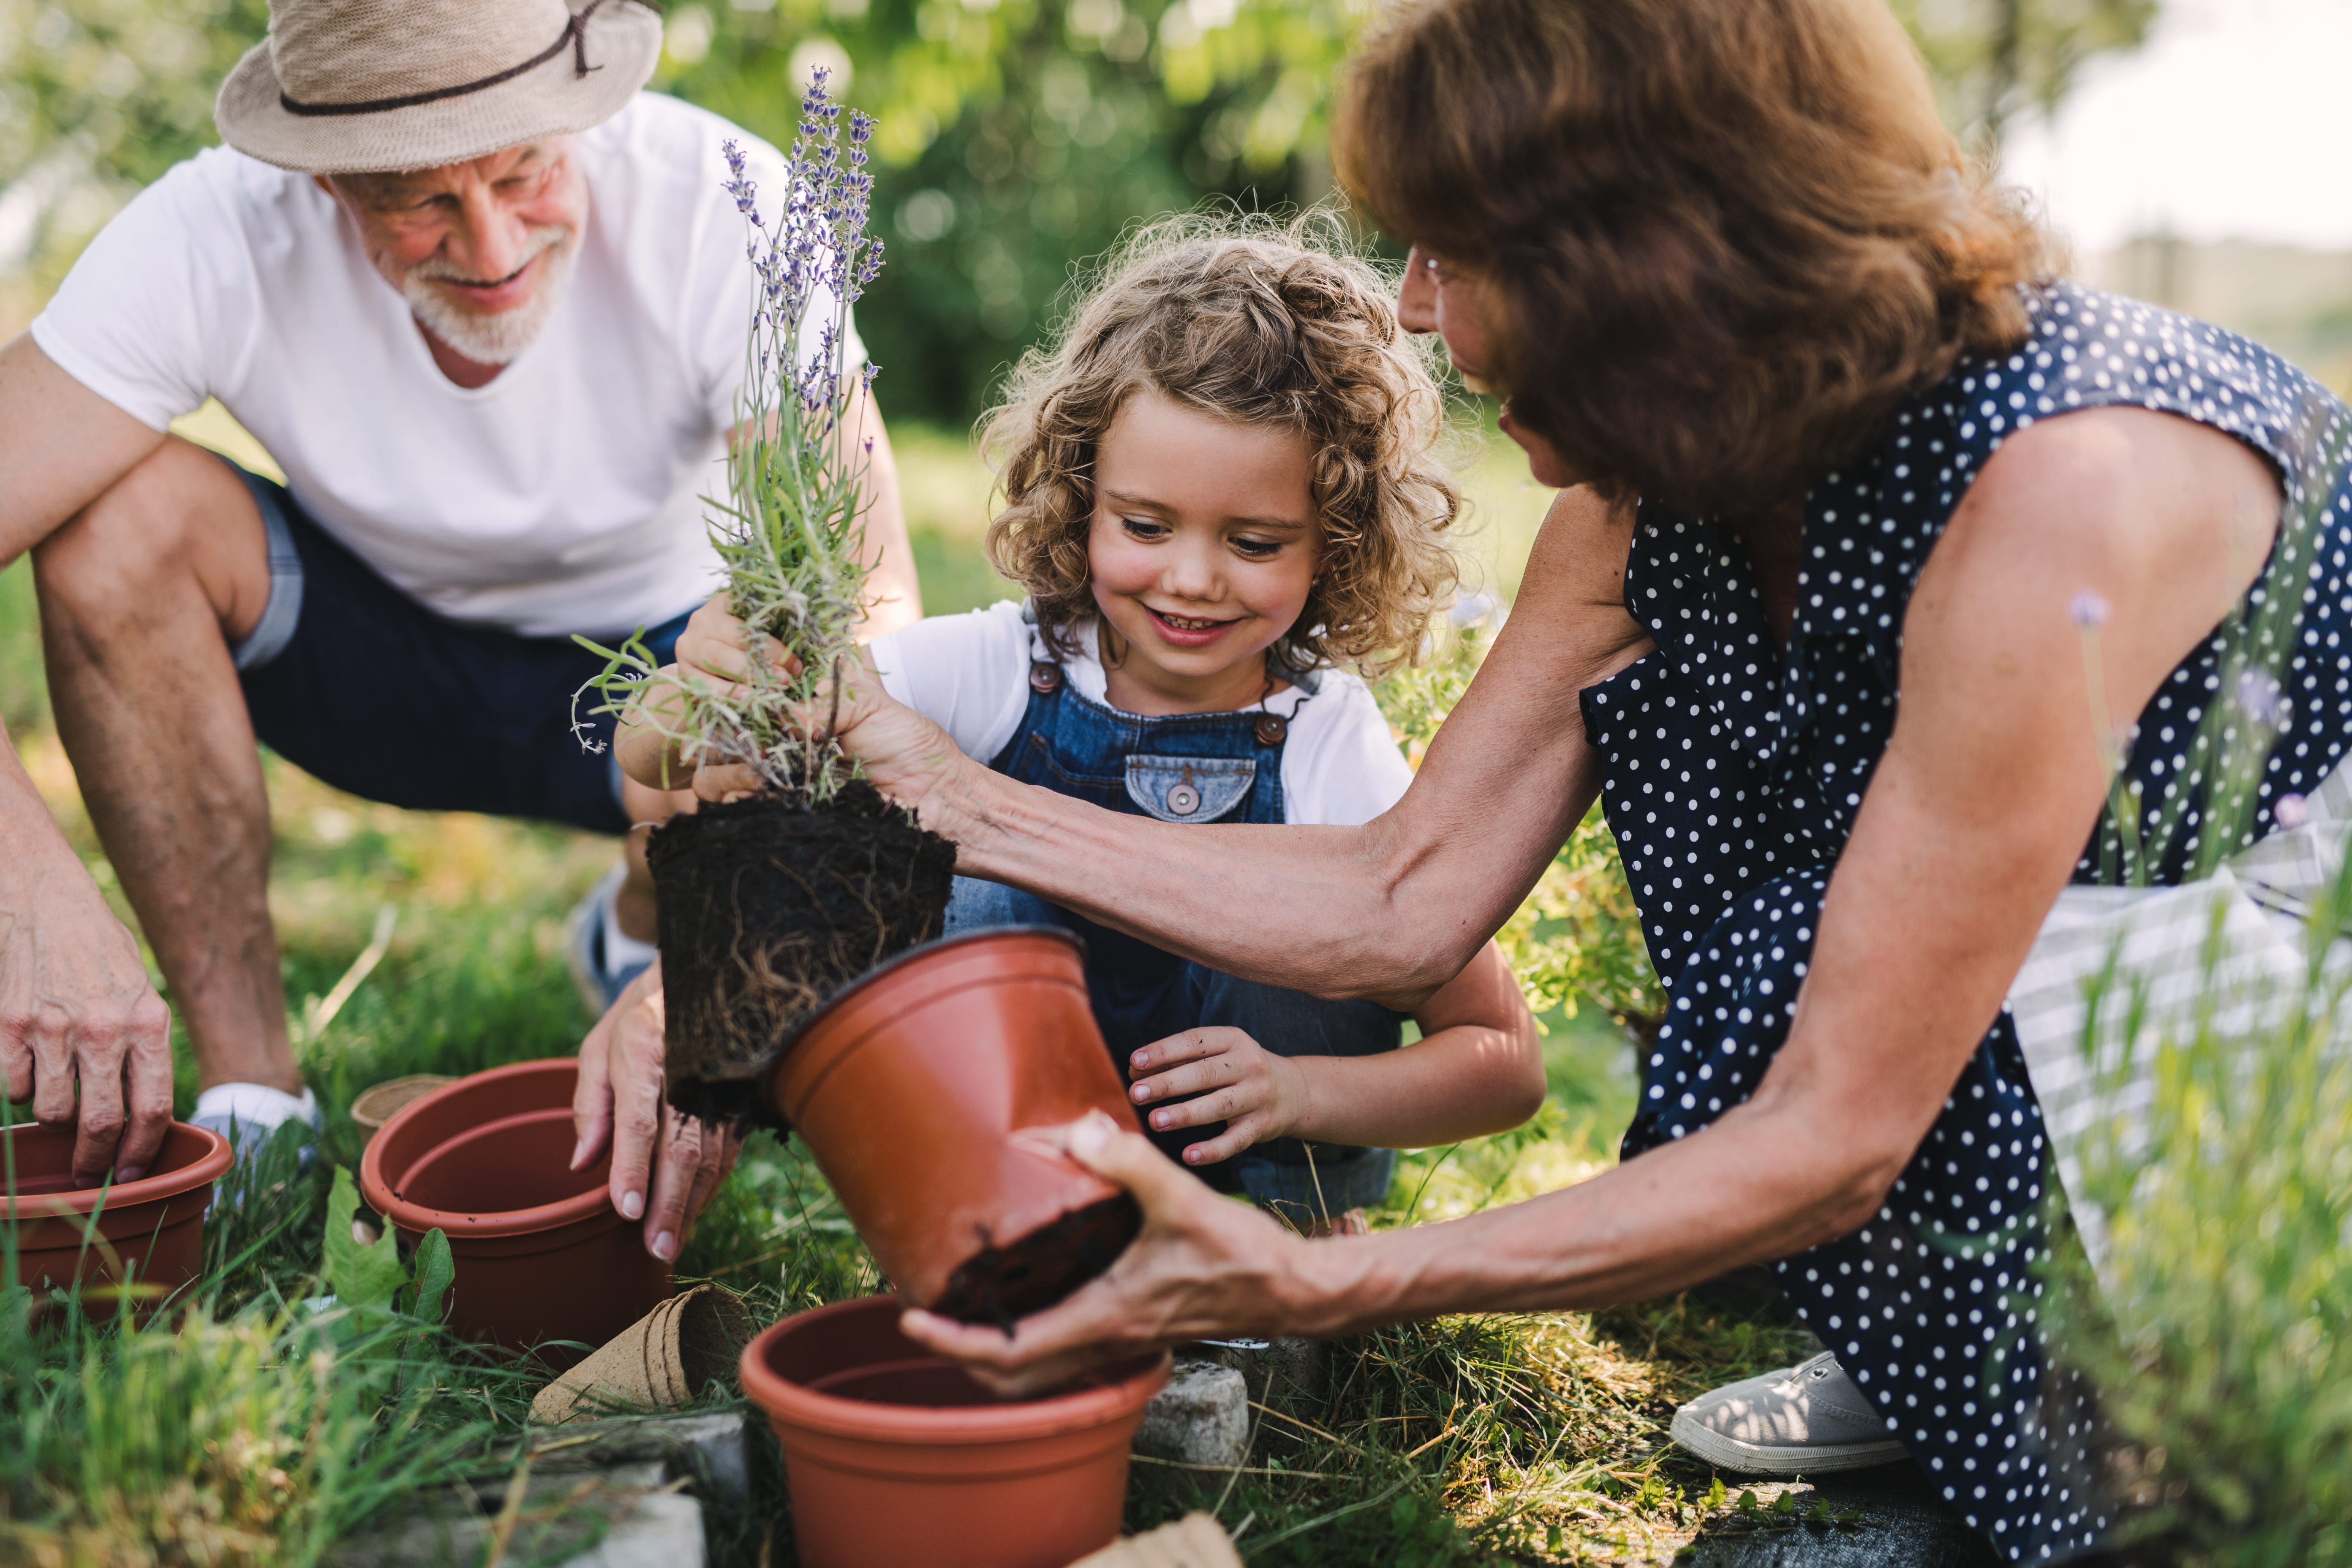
{"points": [[486, 303]]}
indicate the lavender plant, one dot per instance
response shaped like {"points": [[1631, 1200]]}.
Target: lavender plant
{"points": [[791, 526]]}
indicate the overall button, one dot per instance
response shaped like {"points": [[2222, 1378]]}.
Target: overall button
{"points": [[1045, 678], [1183, 800], [1271, 728]]}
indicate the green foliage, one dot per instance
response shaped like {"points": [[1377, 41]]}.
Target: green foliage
{"points": [[370, 1276], [1990, 58], [2216, 1329]]}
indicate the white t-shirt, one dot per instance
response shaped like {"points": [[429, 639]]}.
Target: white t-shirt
{"points": [[970, 675], [562, 496]]}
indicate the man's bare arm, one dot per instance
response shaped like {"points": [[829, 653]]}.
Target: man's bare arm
{"points": [[72, 985]]}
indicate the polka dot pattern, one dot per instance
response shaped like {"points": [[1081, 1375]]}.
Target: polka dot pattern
{"points": [[1733, 773]]}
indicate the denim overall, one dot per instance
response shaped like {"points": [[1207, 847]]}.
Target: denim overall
{"points": [[1187, 767]]}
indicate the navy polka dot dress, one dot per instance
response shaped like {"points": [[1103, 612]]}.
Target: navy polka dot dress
{"points": [[1733, 773]]}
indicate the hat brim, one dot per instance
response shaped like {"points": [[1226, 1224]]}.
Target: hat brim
{"points": [[624, 42]]}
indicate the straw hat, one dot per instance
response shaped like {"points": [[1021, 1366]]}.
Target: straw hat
{"points": [[350, 87]]}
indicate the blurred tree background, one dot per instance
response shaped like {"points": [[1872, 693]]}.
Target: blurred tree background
{"points": [[1017, 137]]}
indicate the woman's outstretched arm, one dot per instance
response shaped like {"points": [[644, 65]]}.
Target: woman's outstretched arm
{"points": [[1389, 910]]}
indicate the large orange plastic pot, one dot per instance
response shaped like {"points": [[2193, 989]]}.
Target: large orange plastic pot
{"points": [[541, 1254], [895, 1458], [910, 1088], [149, 1239]]}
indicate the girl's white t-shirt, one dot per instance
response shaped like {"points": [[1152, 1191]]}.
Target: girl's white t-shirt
{"points": [[970, 675], [562, 496]]}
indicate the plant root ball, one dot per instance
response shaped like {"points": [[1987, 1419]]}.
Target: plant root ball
{"points": [[767, 909]]}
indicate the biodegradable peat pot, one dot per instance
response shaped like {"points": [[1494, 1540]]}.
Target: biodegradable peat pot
{"points": [[541, 1254], [766, 911], [895, 1457], [150, 1236], [910, 1088]]}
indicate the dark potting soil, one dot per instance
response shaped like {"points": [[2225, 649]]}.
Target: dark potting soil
{"points": [[767, 909], [1001, 1285]]}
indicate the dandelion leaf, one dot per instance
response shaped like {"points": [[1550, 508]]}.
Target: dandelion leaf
{"points": [[360, 1274]]}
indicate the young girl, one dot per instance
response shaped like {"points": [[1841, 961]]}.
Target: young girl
{"points": [[1220, 489]]}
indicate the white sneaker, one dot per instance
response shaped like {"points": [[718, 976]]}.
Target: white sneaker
{"points": [[246, 1114], [604, 958], [1803, 1420]]}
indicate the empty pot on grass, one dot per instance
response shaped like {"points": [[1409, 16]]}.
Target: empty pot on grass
{"points": [[896, 1456], [910, 1088], [149, 1239], [540, 1252]]}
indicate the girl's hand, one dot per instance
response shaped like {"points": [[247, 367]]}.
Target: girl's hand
{"points": [[1203, 1267], [1257, 1094]]}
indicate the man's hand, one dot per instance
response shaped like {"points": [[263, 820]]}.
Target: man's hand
{"points": [[1203, 1267], [620, 1100], [76, 1009], [1257, 1094]]}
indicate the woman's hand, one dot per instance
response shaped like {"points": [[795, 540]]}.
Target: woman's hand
{"points": [[620, 1100], [1203, 1267], [1257, 1094]]}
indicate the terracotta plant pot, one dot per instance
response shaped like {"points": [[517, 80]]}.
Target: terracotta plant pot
{"points": [[541, 1254], [150, 1236], [909, 1088], [894, 1457]]}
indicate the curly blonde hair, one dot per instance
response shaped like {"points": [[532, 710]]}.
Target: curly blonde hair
{"points": [[1261, 323]]}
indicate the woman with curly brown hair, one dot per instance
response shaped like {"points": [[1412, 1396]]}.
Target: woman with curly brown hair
{"points": [[1222, 500], [1849, 482]]}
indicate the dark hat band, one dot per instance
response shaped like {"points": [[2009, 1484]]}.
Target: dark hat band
{"points": [[574, 34]]}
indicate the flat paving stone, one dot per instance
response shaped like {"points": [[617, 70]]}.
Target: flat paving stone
{"points": [[604, 1494], [1904, 1524]]}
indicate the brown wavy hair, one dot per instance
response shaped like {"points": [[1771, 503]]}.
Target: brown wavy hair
{"points": [[1725, 237], [1262, 324]]}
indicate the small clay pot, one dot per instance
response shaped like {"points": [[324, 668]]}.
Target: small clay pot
{"points": [[377, 1104], [909, 1087], [149, 1236], [541, 1254], [896, 1456]]}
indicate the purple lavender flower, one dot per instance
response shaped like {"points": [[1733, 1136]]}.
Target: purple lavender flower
{"points": [[2088, 609], [2261, 698], [2292, 811]]}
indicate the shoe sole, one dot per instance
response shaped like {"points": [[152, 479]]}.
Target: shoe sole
{"points": [[1801, 1459]]}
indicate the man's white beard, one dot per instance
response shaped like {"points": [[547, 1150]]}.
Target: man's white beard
{"points": [[497, 339]]}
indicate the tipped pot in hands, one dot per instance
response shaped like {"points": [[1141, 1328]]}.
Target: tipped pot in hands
{"points": [[1203, 1268]]}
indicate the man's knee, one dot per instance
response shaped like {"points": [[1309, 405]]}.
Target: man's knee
{"points": [[180, 519]]}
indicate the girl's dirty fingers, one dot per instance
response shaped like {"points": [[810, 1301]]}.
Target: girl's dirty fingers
{"points": [[1239, 1135], [1214, 1040]]}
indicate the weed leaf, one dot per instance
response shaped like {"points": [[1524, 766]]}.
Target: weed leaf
{"points": [[360, 1275]]}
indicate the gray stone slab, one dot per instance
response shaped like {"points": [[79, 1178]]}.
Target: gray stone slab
{"points": [[603, 1494], [1201, 1417], [1904, 1524], [711, 1450]]}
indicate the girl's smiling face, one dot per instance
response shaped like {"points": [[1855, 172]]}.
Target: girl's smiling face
{"points": [[1202, 549]]}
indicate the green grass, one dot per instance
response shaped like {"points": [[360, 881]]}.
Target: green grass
{"points": [[1470, 1440]]}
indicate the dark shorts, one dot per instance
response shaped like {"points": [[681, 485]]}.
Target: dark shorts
{"points": [[361, 686]]}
